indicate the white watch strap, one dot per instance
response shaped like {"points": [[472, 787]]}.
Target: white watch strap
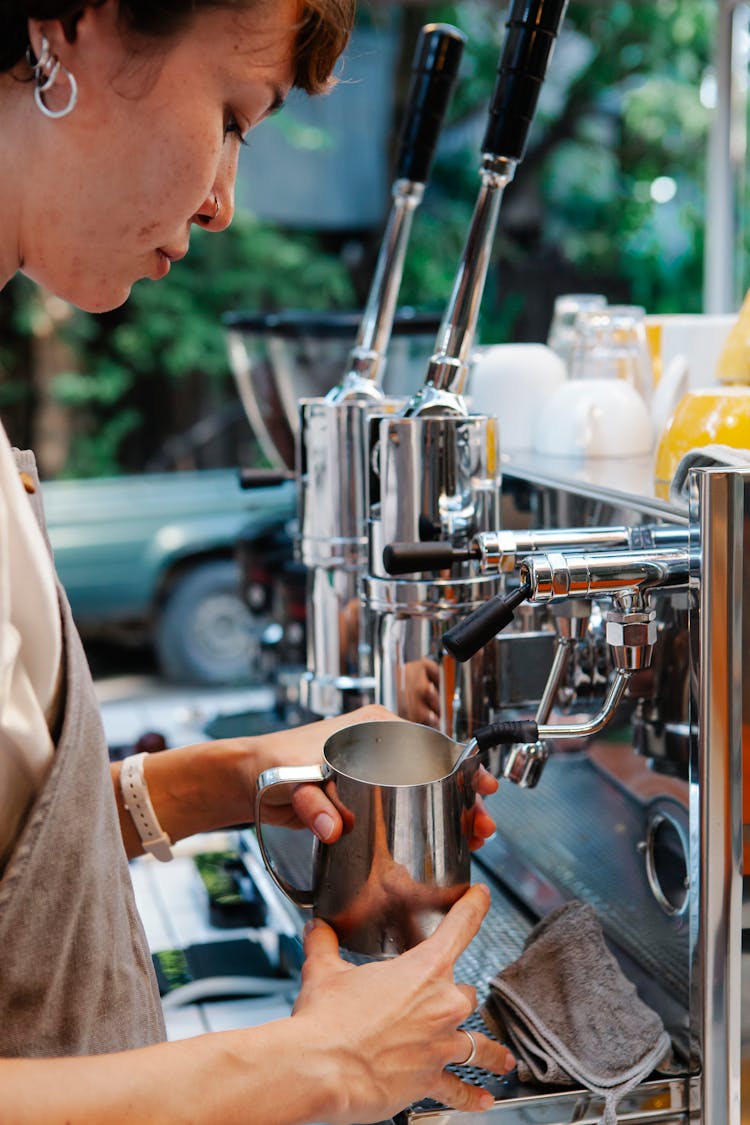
{"points": [[138, 803]]}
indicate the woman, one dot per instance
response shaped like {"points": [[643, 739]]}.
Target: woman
{"points": [[120, 126]]}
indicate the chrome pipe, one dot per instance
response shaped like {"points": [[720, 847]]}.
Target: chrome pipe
{"points": [[560, 664], [449, 365], [616, 574], [613, 698], [364, 374], [501, 550]]}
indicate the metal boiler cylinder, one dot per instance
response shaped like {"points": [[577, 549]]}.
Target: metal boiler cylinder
{"points": [[431, 477]]}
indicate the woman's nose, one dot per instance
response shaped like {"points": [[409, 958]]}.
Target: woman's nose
{"points": [[217, 210]]}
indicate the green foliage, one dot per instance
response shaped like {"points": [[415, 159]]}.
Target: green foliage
{"points": [[620, 108]]}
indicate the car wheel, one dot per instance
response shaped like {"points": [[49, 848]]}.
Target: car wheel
{"points": [[206, 634]]}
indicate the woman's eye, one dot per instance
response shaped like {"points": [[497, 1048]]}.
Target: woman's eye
{"points": [[231, 127]]}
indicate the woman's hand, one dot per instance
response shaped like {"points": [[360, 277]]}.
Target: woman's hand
{"points": [[419, 692], [307, 806], [392, 1026]]}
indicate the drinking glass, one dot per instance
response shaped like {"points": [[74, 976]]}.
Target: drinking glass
{"points": [[610, 343], [561, 337]]}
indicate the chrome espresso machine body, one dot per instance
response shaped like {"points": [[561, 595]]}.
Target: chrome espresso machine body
{"points": [[639, 807], [331, 441]]}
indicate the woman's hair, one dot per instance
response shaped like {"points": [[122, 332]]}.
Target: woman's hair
{"points": [[324, 28]]}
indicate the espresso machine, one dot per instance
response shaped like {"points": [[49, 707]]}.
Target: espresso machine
{"points": [[434, 468], [640, 727], [331, 451]]}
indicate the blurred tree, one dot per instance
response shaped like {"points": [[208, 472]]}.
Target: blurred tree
{"points": [[610, 198], [610, 194]]}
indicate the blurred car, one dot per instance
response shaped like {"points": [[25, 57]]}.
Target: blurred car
{"points": [[154, 558]]}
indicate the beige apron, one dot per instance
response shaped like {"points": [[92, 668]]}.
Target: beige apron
{"points": [[75, 970]]}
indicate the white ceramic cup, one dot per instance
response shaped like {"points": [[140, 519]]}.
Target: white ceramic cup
{"points": [[593, 418], [698, 337], [507, 381]]}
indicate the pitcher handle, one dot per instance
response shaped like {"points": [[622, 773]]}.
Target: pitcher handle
{"points": [[269, 779]]}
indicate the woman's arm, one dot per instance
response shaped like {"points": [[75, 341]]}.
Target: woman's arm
{"points": [[363, 1042], [211, 785]]}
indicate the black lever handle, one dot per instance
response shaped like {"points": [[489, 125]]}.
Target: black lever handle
{"points": [[471, 634], [434, 69], [264, 478], [410, 558], [531, 30]]}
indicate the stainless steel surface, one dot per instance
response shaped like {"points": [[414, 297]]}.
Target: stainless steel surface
{"points": [[575, 492], [617, 688], [406, 625], [430, 477], [332, 467], [503, 550], [404, 856], [603, 574], [662, 1101], [719, 632]]}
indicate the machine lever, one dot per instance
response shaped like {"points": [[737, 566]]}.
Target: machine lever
{"points": [[531, 30], [466, 638], [434, 70]]}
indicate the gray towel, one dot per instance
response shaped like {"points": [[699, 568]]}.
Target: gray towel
{"points": [[570, 1014], [706, 456]]}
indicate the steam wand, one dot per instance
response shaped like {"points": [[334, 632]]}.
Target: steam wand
{"points": [[626, 577]]}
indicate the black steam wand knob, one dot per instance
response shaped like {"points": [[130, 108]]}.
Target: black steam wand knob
{"points": [[410, 558], [476, 630]]}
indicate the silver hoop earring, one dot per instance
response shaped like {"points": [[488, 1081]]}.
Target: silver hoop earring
{"points": [[46, 70]]}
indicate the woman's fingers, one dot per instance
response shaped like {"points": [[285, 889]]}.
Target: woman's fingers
{"points": [[483, 826], [459, 926], [317, 813], [488, 1053], [452, 1091], [485, 782], [321, 948]]}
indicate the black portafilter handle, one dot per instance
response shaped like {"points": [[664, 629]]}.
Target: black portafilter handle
{"points": [[531, 30], [476, 630], [410, 558], [437, 58]]}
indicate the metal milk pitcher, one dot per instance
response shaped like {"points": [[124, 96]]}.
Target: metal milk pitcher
{"points": [[403, 858]]}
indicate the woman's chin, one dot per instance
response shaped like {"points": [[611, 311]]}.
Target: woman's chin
{"points": [[101, 302], [100, 299]]}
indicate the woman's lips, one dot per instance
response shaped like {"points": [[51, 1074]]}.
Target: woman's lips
{"points": [[165, 257], [163, 265]]}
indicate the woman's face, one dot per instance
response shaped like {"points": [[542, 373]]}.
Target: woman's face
{"points": [[111, 190]]}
